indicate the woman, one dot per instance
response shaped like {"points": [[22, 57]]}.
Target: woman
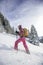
{"points": [[22, 38]]}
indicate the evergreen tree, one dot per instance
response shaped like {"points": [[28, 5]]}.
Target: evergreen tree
{"points": [[34, 36]]}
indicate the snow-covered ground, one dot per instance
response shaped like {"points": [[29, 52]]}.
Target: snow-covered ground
{"points": [[9, 56]]}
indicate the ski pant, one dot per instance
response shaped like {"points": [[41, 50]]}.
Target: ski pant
{"points": [[22, 39]]}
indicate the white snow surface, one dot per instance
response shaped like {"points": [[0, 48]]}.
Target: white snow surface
{"points": [[9, 56]]}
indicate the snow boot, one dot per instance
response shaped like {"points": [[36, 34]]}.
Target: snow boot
{"points": [[28, 52]]}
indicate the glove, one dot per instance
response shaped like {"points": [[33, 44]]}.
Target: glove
{"points": [[17, 32]]}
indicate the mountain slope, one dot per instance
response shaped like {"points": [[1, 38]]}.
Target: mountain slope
{"points": [[9, 56]]}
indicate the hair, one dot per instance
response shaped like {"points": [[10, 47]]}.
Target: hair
{"points": [[19, 26]]}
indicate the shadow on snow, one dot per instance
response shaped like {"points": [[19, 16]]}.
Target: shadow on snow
{"points": [[4, 47]]}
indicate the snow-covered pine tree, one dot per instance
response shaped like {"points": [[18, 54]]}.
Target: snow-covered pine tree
{"points": [[33, 37]]}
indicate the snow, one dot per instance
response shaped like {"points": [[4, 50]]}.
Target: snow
{"points": [[9, 56]]}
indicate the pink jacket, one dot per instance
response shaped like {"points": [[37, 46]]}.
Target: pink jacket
{"points": [[21, 32]]}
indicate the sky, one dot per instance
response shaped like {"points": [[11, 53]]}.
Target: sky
{"points": [[24, 12]]}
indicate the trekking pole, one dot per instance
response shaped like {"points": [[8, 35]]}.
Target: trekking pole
{"points": [[16, 34]]}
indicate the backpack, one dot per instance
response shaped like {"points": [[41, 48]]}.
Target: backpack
{"points": [[26, 32]]}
